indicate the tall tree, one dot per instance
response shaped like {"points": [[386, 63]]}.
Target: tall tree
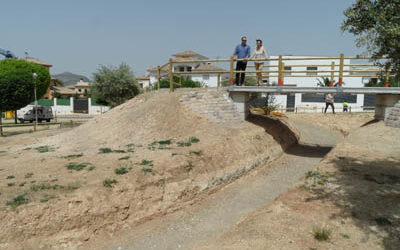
{"points": [[17, 84], [376, 24], [114, 85]]}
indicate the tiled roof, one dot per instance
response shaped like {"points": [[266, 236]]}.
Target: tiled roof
{"points": [[208, 67]]}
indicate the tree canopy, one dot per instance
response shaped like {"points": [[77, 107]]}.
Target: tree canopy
{"points": [[376, 24], [114, 85], [17, 83]]}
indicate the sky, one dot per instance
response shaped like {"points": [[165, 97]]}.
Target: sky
{"points": [[80, 35]]}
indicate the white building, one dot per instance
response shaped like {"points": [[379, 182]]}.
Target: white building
{"points": [[310, 79], [144, 81], [206, 79]]}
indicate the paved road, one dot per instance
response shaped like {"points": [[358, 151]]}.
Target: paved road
{"points": [[205, 221]]}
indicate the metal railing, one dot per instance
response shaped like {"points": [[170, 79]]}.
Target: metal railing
{"points": [[336, 70]]}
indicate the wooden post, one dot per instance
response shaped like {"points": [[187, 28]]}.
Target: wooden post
{"points": [[231, 71], [280, 81], [341, 69], [387, 75], [332, 73], [171, 78], [34, 126], [180, 80], [219, 80], [1, 122], [158, 77]]}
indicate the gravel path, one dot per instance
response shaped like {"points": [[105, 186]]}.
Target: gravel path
{"points": [[203, 222]]}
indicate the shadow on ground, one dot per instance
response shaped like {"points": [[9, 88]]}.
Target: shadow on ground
{"points": [[369, 193], [288, 137]]}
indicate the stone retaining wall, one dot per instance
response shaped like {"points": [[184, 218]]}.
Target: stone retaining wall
{"points": [[212, 103], [393, 119]]}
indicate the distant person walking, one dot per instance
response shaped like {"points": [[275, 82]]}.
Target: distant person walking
{"points": [[345, 106], [259, 53], [329, 100], [242, 51]]}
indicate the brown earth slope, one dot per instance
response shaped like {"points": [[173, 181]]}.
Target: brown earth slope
{"points": [[147, 157]]}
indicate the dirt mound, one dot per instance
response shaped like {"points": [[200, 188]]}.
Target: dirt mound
{"points": [[145, 158]]}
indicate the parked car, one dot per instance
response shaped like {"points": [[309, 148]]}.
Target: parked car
{"points": [[44, 114]]}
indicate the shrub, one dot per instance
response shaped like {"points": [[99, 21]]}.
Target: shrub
{"points": [[18, 200], [78, 166]]}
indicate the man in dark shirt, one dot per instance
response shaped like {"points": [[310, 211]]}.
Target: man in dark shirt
{"points": [[242, 51]]}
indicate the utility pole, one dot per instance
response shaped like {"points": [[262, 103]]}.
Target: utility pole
{"points": [[34, 76]]}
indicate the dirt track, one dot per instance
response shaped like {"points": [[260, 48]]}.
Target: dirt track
{"points": [[199, 224]]}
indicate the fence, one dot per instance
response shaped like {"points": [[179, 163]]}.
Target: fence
{"points": [[70, 123], [336, 70]]}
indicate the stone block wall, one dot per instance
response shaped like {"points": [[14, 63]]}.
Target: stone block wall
{"points": [[393, 119], [212, 103]]}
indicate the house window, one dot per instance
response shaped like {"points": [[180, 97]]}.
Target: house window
{"points": [[287, 68], [189, 69], [79, 90], [206, 77], [181, 69], [312, 73]]}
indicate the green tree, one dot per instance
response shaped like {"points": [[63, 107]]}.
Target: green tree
{"points": [[326, 82], [17, 84], [376, 24], [114, 85]]}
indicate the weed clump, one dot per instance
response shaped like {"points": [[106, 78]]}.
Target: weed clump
{"points": [[78, 166], [109, 183], [109, 150], [72, 156], [11, 177], [44, 149], [18, 200], [121, 171], [322, 233], [317, 177], [188, 143], [124, 158], [28, 175], [146, 163]]}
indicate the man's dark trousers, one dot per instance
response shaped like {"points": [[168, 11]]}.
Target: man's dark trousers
{"points": [[240, 66]]}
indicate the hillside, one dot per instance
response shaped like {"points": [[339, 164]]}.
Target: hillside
{"points": [[145, 158], [69, 78]]}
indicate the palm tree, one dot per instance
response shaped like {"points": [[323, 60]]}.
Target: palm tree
{"points": [[326, 82]]}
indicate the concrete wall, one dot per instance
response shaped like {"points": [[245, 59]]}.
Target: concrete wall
{"points": [[60, 110]]}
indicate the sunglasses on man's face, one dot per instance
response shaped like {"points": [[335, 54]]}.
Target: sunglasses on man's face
{"points": [[244, 40]]}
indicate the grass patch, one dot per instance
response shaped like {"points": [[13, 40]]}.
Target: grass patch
{"points": [[44, 149], [124, 158], [78, 166], [28, 175], [346, 236], [11, 184], [73, 156], [188, 143], [146, 163], [109, 150], [160, 144], [198, 153], [322, 233], [40, 187], [72, 186], [11, 177], [91, 168], [18, 200], [319, 178], [109, 183], [121, 171], [47, 197]]}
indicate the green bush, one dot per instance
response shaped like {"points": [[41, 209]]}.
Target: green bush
{"points": [[186, 83]]}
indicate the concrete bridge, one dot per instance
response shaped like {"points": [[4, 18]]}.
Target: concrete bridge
{"points": [[386, 98]]}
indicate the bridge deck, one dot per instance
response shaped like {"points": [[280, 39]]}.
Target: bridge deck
{"points": [[290, 89]]}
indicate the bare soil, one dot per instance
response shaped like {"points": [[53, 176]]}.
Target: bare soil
{"points": [[353, 194], [59, 190]]}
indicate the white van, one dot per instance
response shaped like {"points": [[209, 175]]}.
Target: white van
{"points": [[44, 114]]}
